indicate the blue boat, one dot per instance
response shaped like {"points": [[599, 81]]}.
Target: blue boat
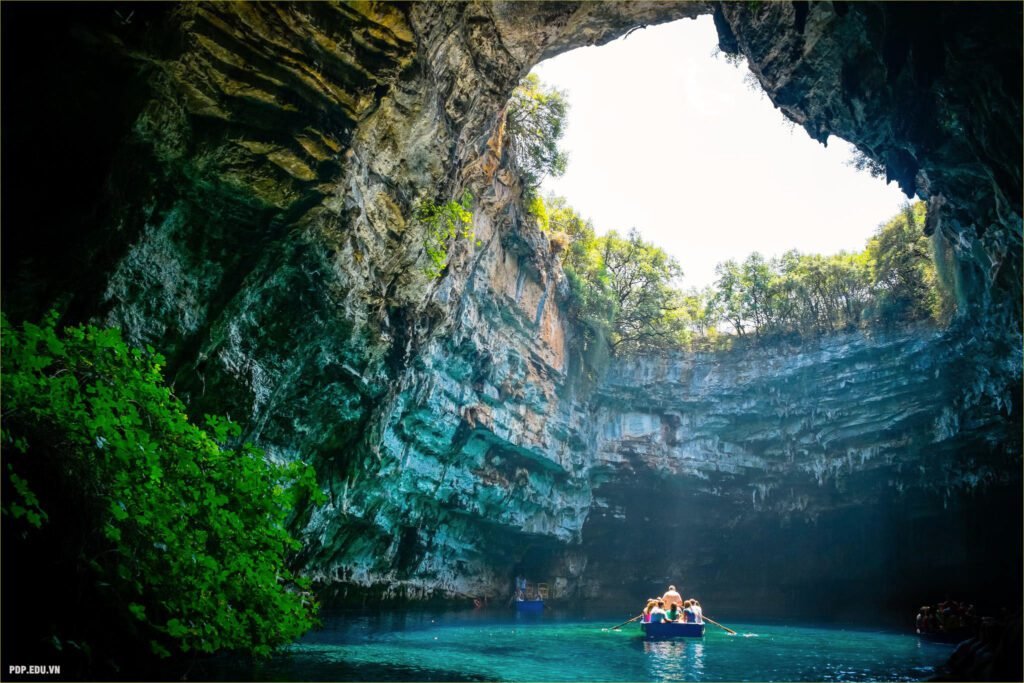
{"points": [[530, 606], [672, 629]]}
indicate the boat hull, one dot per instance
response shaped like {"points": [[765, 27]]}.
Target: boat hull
{"points": [[533, 606], [946, 637], [671, 629]]}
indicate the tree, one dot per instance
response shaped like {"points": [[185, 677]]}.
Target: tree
{"points": [[624, 290], [137, 533], [699, 306], [903, 269], [641, 282], [729, 299], [756, 279], [535, 122]]}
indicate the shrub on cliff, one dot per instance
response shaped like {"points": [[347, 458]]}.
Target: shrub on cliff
{"points": [[444, 223], [129, 531]]}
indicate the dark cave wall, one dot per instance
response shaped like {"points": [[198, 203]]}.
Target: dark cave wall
{"points": [[235, 184], [867, 562], [848, 479]]}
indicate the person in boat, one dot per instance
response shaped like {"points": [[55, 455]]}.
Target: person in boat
{"points": [[698, 611], [658, 613], [671, 597], [672, 613], [689, 614], [922, 620], [651, 604]]}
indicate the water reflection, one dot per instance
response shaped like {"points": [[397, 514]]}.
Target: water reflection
{"points": [[674, 659]]}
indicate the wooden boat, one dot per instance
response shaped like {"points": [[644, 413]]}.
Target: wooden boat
{"points": [[672, 629], [530, 606]]}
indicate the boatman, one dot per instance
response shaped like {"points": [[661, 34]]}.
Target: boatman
{"points": [[672, 597]]}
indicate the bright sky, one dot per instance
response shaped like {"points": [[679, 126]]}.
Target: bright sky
{"points": [[667, 138]]}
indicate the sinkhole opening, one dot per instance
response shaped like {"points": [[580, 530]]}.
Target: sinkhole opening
{"points": [[658, 161]]}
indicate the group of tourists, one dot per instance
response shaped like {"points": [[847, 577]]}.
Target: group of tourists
{"points": [[672, 607], [525, 590], [949, 616]]}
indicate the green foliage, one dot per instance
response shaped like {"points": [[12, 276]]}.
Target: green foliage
{"points": [[538, 210], [452, 220], [647, 307], [178, 533], [573, 229], [535, 121], [892, 281], [623, 290], [862, 162], [701, 311], [904, 271]]}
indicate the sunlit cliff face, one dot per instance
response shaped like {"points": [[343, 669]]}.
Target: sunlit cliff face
{"points": [[237, 185]]}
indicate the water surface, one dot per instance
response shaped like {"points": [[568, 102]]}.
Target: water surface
{"points": [[562, 646]]}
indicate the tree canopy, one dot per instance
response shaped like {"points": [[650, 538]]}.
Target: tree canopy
{"points": [[535, 121], [626, 291], [623, 290]]}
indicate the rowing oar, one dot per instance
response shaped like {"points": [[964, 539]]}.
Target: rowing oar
{"points": [[625, 622], [719, 625]]}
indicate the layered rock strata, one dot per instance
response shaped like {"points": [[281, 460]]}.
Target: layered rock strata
{"points": [[747, 473]]}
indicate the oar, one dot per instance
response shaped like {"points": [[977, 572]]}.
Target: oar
{"points": [[625, 622], [706, 618]]}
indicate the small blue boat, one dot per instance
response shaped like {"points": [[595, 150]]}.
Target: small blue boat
{"points": [[672, 629], [530, 606]]}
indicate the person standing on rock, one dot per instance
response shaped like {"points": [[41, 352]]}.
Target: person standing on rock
{"points": [[671, 597]]}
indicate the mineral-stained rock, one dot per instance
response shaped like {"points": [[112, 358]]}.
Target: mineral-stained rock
{"points": [[236, 184]]}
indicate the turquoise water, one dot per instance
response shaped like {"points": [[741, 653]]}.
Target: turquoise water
{"points": [[559, 647]]}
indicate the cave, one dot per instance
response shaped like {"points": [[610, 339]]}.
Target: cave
{"points": [[236, 184]]}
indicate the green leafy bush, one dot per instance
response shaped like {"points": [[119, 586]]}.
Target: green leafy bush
{"points": [[444, 223], [167, 537]]}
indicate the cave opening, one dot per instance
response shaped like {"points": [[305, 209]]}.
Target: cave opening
{"points": [[668, 134], [635, 159]]}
